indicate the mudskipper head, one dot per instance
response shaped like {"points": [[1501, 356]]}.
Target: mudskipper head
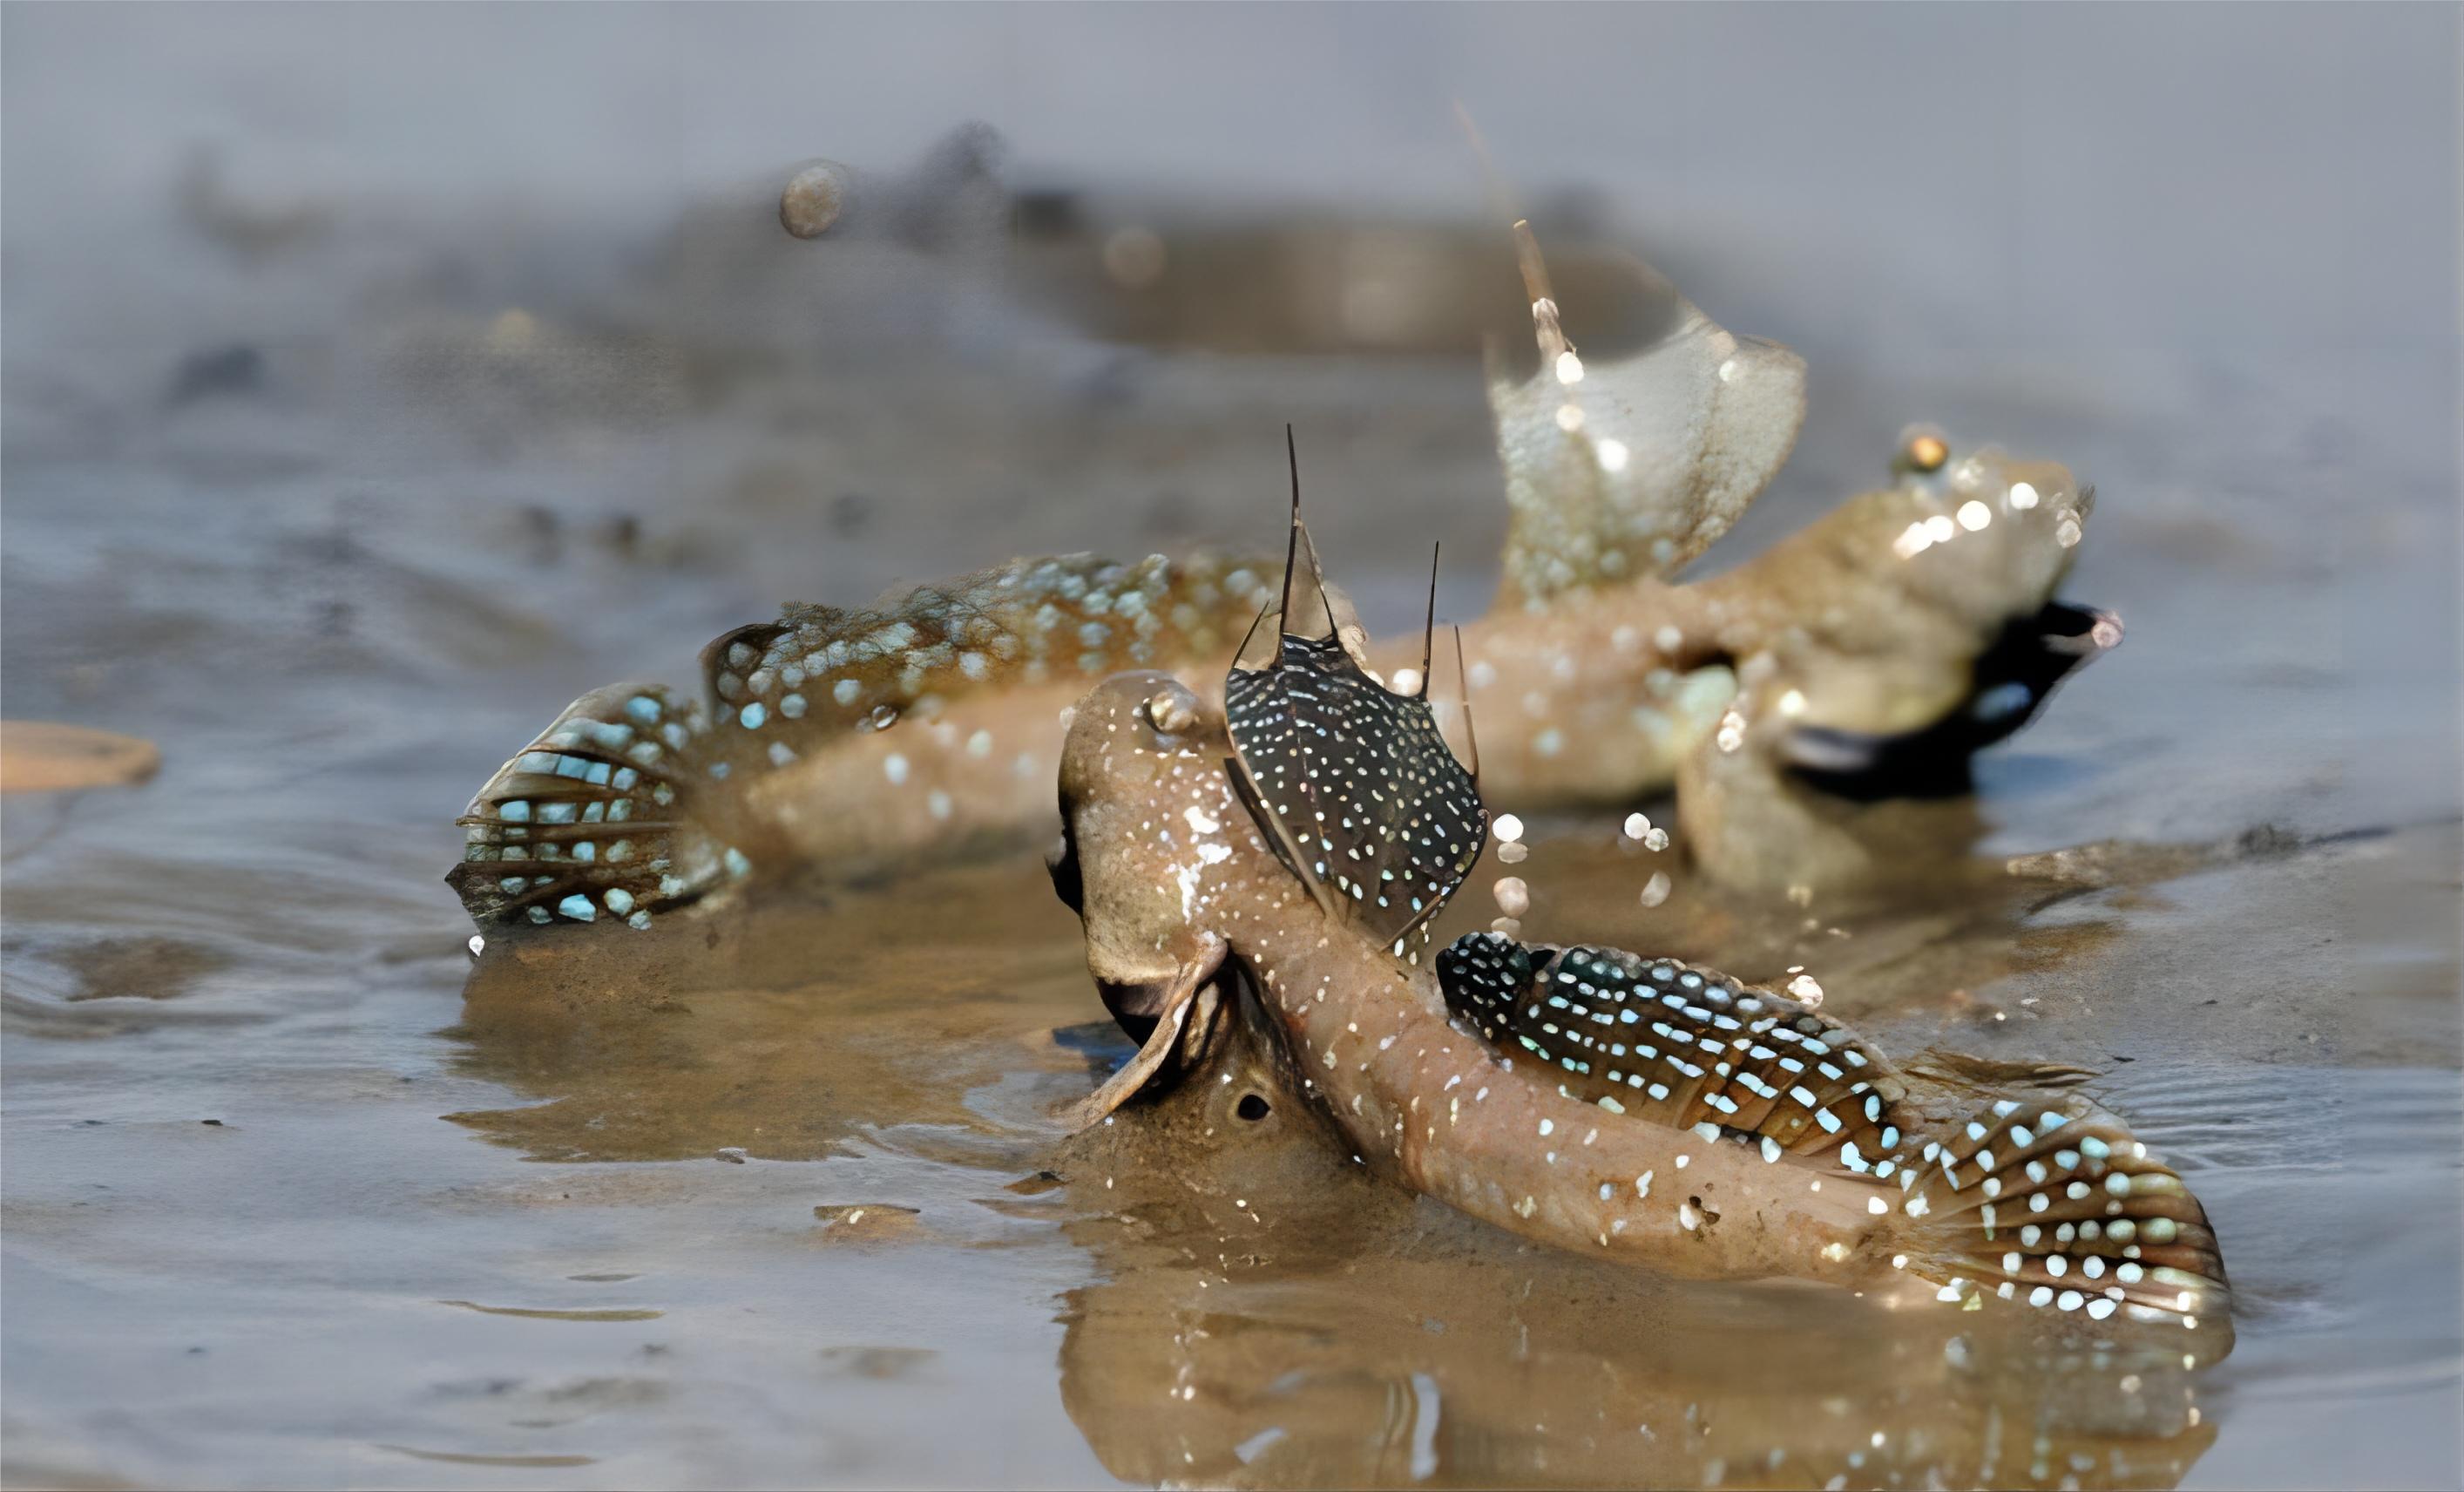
{"points": [[1974, 543], [1152, 839], [1980, 531], [1317, 791]]}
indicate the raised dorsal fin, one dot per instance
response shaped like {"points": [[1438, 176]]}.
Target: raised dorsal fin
{"points": [[1351, 781], [1621, 468]]}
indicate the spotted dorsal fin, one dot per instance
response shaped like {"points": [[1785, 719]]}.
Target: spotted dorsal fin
{"points": [[1353, 783], [1625, 467], [1660, 1041]]}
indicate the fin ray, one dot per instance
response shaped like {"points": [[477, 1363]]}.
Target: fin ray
{"points": [[1631, 467], [592, 818]]}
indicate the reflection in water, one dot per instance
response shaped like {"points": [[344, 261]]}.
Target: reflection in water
{"points": [[1266, 1312], [783, 1030], [1273, 1317]]}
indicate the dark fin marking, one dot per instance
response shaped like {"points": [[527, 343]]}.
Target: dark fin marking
{"points": [[1463, 682], [1279, 835], [2009, 683], [594, 817], [1298, 542], [1292, 540], [2043, 1198], [1429, 622]]}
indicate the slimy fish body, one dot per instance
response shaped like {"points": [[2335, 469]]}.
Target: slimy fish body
{"points": [[932, 721], [831, 735], [1590, 1099]]}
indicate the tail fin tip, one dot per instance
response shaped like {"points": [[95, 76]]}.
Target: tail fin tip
{"points": [[589, 820], [2063, 1209]]}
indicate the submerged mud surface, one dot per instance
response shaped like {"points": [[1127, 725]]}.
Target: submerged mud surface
{"points": [[335, 510]]}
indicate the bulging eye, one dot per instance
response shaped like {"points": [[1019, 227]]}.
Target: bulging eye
{"points": [[1172, 709], [1922, 450]]}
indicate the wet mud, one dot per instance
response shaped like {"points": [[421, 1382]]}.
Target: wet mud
{"points": [[338, 496]]}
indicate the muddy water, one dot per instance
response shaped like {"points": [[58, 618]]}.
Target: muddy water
{"points": [[297, 1192]]}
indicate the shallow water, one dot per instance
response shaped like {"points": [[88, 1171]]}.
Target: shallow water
{"points": [[298, 1194]]}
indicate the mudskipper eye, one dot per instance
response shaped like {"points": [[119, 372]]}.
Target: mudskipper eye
{"points": [[1253, 1108], [1172, 709], [1922, 451]]}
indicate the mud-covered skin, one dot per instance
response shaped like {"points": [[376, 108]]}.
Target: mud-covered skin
{"points": [[1175, 875], [1175, 886], [934, 721], [854, 738], [929, 721], [1230, 1225]]}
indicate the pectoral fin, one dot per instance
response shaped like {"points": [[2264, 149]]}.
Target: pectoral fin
{"points": [[1188, 1014]]}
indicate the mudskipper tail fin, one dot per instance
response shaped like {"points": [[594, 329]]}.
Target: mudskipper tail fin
{"points": [[2051, 1202], [635, 799], [594, 818], [2061, 1207]]}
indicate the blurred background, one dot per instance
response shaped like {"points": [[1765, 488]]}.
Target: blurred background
{"points": [[378, 378]]}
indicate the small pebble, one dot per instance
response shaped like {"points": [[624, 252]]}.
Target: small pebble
{"points": [[1513, 854], [813, 199], [1508, 829], [1513, 897], [1655, 890], [1805, 991], [1637, 826], [733, 1154], [1509, 926], [1656, 839]]}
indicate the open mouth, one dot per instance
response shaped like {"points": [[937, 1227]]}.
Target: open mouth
{"points": [[1175, 1021], [2011, 681]]}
